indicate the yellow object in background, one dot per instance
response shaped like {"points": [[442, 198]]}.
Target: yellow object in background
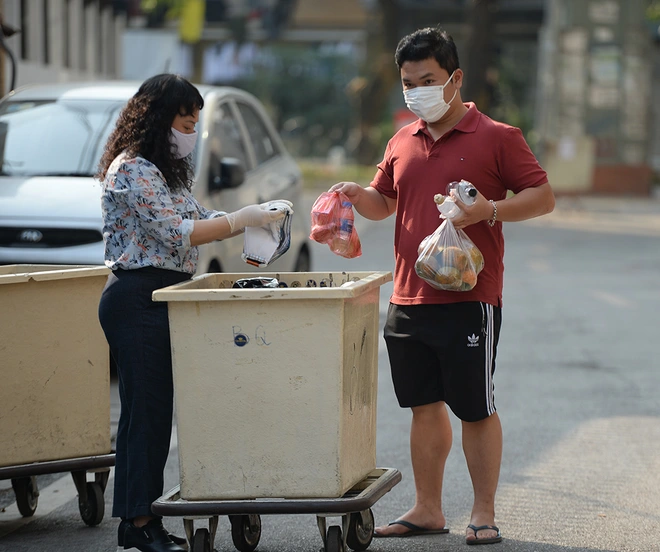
{"points": [[192, 20]]}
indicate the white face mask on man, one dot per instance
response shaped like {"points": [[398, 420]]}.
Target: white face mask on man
{"points": [[185, 143], [428, 102]]}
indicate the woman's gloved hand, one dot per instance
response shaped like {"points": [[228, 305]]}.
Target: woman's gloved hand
{"points": [[258, 215], [278, 203]]}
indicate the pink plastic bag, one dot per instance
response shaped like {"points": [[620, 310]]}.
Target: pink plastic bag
{"points": [[333, 223]]}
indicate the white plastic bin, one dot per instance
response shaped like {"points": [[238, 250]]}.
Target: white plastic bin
{"points": [[55, 391], [275, 388]]}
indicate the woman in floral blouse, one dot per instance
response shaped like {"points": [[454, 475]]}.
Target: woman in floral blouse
{"points": [[152, 227]]}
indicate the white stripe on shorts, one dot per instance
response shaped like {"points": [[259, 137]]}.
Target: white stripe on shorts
{"points": [[490, 336]]}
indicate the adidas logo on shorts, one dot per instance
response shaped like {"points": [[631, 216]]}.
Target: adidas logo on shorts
{"points": [[473, 340]]}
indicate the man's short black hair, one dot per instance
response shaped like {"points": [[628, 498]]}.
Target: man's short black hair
{"points": [[427, 43]]}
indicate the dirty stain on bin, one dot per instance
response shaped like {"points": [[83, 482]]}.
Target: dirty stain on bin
{"points": [[290, 411]]}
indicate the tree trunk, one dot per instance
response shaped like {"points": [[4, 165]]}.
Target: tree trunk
{"points": [[481, 42], [373, 96]]}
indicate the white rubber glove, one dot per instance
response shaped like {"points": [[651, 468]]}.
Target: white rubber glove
{"points": [[254, 215], [278, 203]]}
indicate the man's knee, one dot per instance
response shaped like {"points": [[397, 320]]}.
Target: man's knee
{"points": [[429, 412], [480, 421]]}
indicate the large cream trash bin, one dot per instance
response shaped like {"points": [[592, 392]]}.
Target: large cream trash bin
{"points": [[275, 388], [55, 391]]}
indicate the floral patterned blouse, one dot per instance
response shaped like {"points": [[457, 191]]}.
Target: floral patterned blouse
{"points": [[144, 222]]}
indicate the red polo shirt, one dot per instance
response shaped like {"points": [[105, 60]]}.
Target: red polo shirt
{"points": [[492, 155]]}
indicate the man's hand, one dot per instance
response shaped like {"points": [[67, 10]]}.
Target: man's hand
{"points": [[481, 209], [351, 190]]}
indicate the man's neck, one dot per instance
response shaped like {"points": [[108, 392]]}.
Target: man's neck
{"points": [[444, 125]]}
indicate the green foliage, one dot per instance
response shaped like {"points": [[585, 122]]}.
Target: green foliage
{"points": [[170, 8], [304, 90], [509, 97], [653, 11]]}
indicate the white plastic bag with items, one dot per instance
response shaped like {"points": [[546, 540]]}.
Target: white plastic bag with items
{"points": [[448, 259], [264, 244]]}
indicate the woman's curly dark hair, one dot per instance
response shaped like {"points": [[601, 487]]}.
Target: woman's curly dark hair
{"points": [[144, 128]]}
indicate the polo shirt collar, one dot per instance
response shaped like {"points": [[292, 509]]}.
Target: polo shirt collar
{"points": [[467, 124]]}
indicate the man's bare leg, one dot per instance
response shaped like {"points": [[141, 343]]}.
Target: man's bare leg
{"points": [[482, 445], [430, 443]]}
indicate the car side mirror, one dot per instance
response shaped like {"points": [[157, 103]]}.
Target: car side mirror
{"points": [[231, 174]]}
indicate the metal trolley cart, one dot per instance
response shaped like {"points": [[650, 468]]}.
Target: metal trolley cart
{"points": [[354, 508], [90, 493]]}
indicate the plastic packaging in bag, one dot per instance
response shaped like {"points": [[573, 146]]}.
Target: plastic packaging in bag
{"points": [[333, 223], [448, 260], [464, 190], [264, 244], [446, 205], [257, 282]]}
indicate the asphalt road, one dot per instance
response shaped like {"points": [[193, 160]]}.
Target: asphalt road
{"points": [[576, 388]]}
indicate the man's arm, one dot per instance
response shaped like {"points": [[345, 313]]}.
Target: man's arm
{"points": [[369, 202], [526, 204]]}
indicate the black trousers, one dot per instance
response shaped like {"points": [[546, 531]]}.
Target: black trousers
{"points": [[137, 330]]}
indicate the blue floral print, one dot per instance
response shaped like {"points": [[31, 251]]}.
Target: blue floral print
{"points": [[144, 222]]}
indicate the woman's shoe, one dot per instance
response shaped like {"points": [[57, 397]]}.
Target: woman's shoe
{"points": [[151, 537], [181, 541]]}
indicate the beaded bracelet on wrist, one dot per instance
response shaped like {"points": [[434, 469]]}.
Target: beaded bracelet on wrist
{"points": [[493, 219]]}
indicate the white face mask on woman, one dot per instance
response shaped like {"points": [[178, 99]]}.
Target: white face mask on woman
{"points": [[428, 102], [185, 143]]}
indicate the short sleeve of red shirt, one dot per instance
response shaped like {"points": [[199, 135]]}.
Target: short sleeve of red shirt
{"points": [[519, 168], [384, 179]]}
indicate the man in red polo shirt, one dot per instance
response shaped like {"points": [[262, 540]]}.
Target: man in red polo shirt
{"points": [[430, 334]]}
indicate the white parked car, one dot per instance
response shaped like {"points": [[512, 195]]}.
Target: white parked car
{"points": [[52, 138]]}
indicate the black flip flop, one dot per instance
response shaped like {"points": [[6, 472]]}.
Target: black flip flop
{"points": [[414, 530], [477, 540]]}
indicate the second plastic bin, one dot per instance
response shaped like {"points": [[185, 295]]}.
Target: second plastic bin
{"points": [[275, 388], [55, 390]]}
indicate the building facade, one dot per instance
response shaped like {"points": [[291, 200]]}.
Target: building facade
{"points": [[580, 77], [62, 40], [596, 92]]}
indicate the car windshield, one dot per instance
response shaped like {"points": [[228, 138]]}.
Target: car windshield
{"points": [[54, 138]]}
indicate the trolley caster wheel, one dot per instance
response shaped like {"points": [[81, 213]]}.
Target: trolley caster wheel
{"points": [[201, 541], [333, 540], [27, 495], [245, 531], [93, 509], [360, 530]]}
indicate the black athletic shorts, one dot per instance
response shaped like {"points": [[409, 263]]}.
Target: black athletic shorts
{"points": [[444, 353]]}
